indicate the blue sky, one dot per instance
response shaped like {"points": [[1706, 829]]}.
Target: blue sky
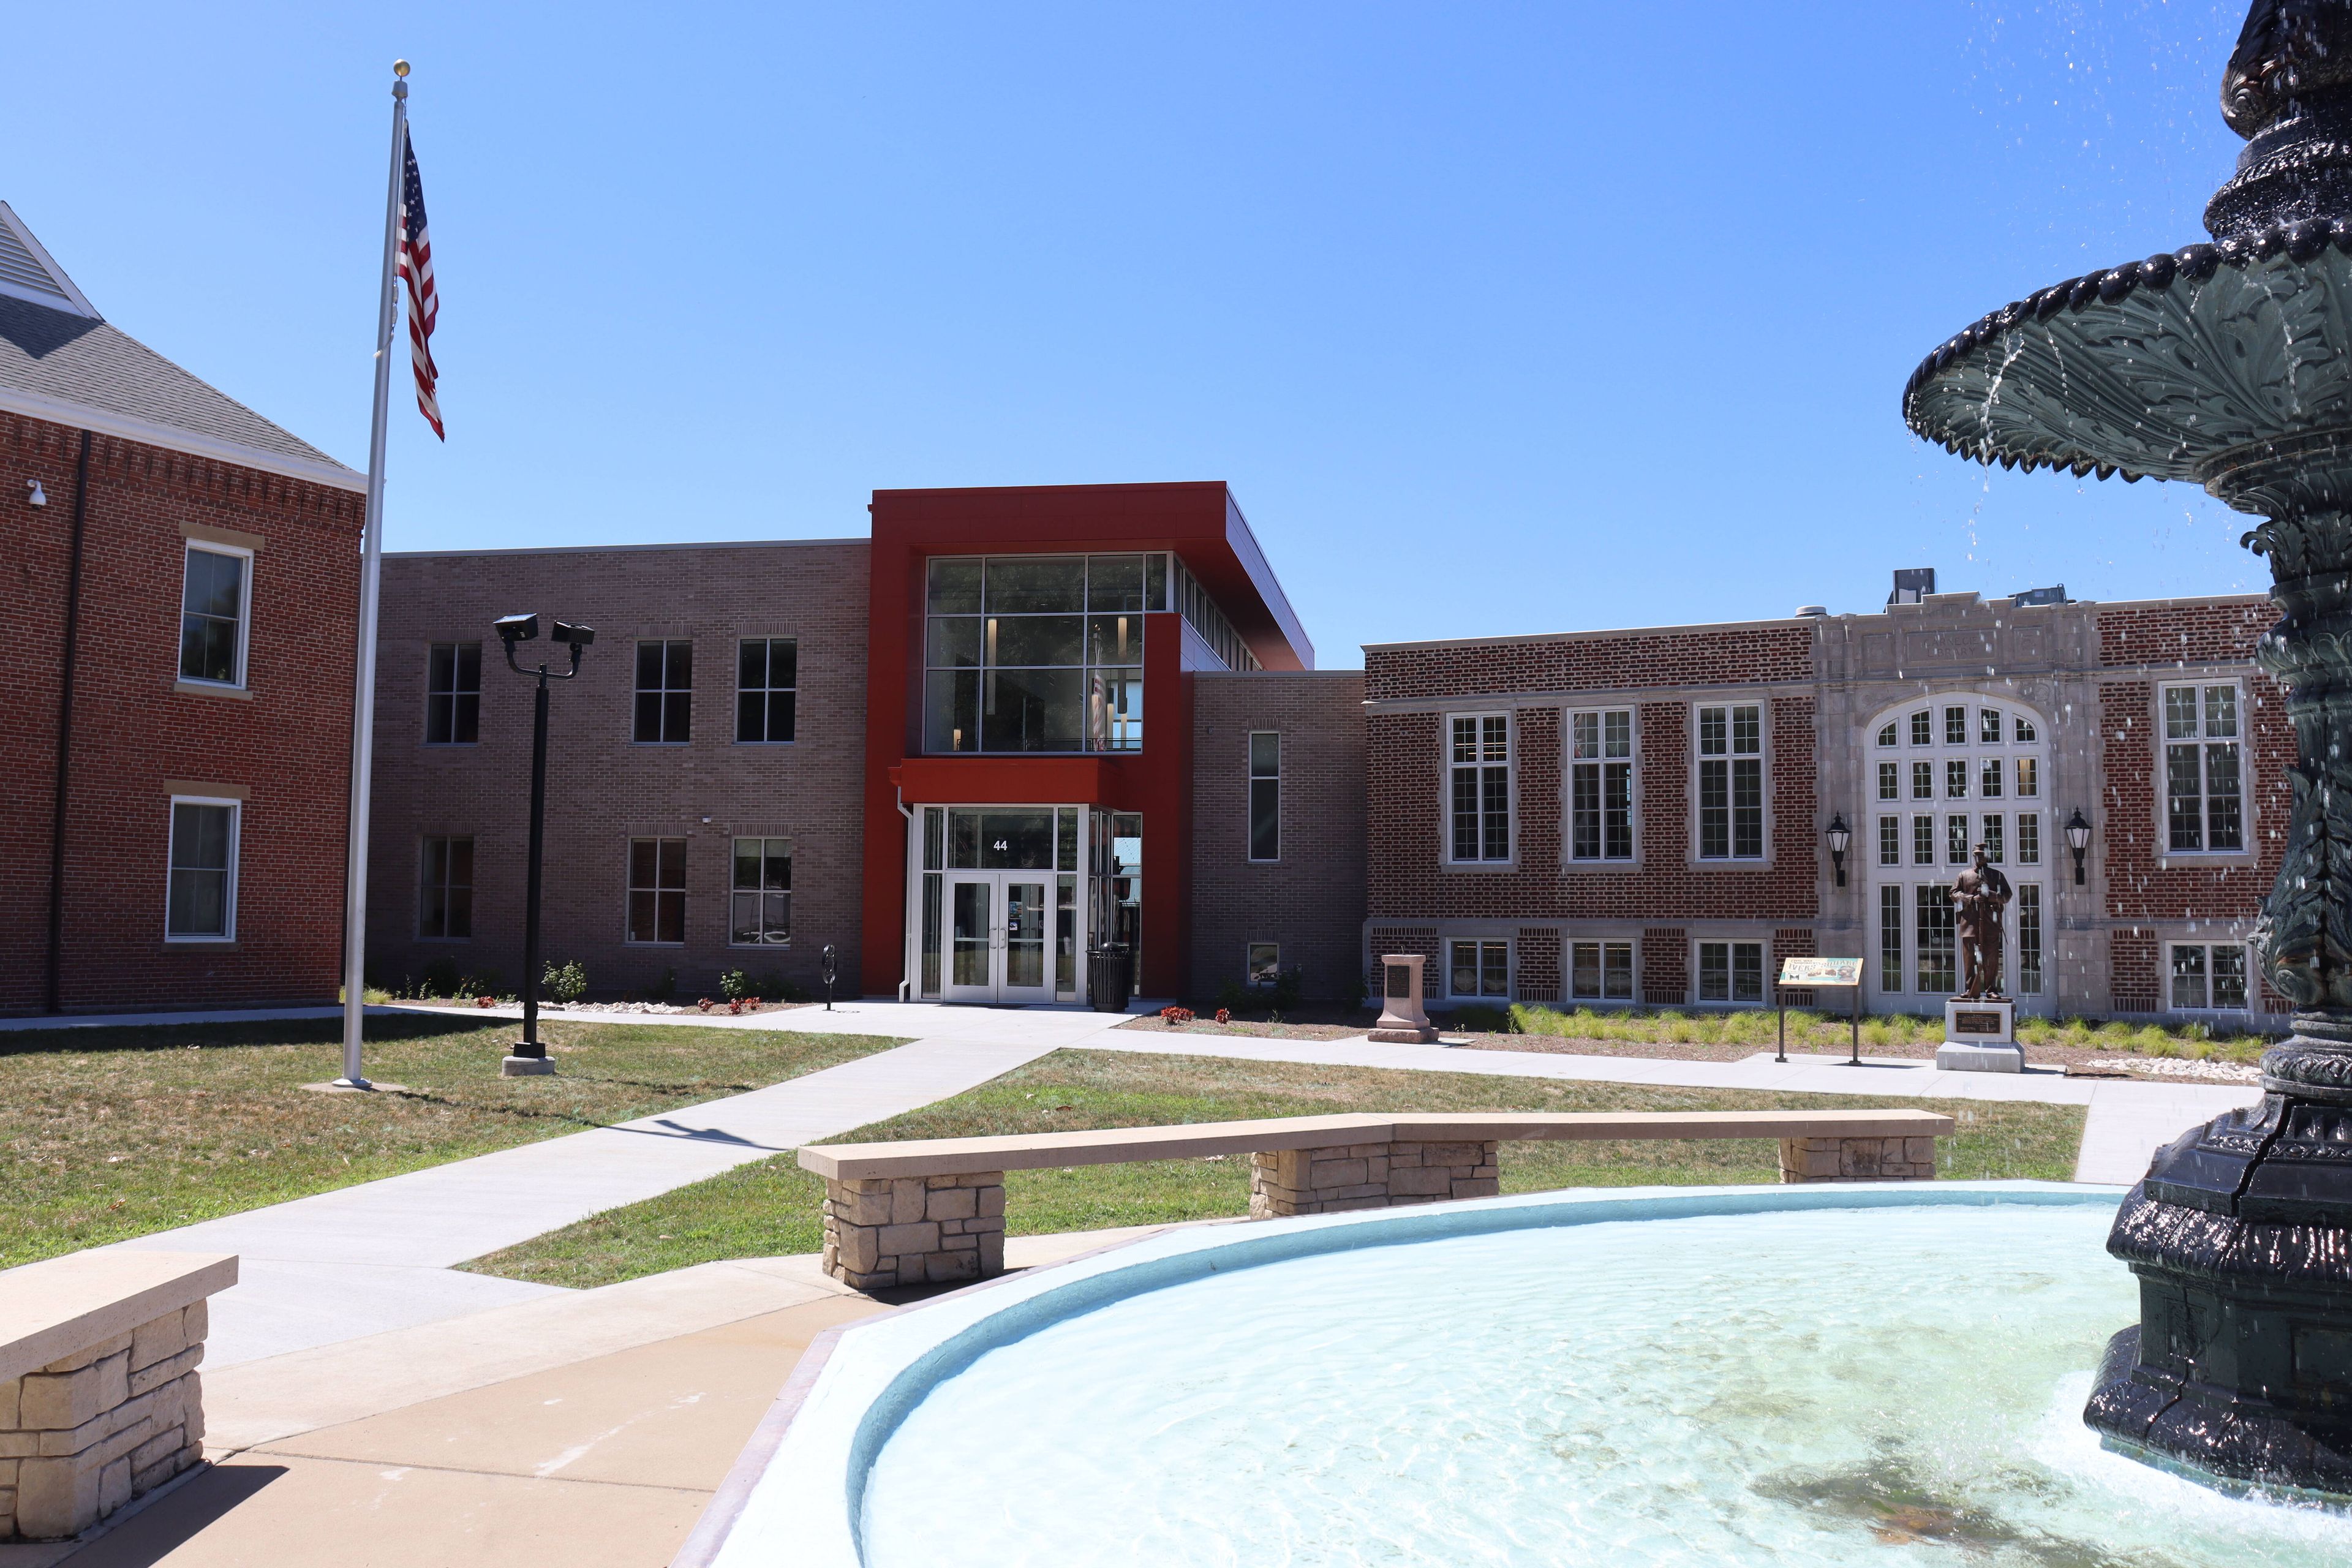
{"points": [[1497, 318]]}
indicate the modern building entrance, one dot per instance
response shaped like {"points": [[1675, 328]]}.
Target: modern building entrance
{"points": [[998, 945], [1008, 898]]}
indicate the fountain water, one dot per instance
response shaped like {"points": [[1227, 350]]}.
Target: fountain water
{"points": [[2230, 364]]}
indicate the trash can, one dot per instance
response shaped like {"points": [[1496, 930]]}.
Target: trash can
{"points": [[1110, 976]]}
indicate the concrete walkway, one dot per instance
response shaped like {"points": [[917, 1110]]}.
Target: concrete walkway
{"points": [[2125, 1124], [379, 1255]]}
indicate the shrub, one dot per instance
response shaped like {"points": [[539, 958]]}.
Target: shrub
{"points": [[1224, 1016], [1483, 1018], [1233, 997], [662, 989], [1283, 996], [734, 985], [1172, 1016], [441, 978], [566, 982]]}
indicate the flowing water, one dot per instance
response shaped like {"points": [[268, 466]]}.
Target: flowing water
{"points": [[1882, 1386]]}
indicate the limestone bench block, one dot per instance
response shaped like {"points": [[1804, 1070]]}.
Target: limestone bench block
{"points": [[881, 1232], [1369, 1176], [1857, 1159], [99, 1398]]}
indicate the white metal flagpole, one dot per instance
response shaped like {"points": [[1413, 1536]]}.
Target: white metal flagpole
{"points": [[371, 578]]}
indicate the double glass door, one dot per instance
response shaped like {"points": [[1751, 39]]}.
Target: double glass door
{"points": [[997, 924]]}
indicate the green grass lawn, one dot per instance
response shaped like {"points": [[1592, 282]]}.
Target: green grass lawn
{"points": [[1830, 1031], [117, 1132], [770, 1208]]}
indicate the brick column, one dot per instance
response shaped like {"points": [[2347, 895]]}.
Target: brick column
{"points": [[885, 1231], [1369, 1176], [1857, 1159], [87, 1433]]}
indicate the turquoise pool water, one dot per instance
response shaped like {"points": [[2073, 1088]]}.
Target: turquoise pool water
{"points": [[1866, 1385]]}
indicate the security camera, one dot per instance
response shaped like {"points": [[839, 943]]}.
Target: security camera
{"points": [[578, 637], [518, 629]]}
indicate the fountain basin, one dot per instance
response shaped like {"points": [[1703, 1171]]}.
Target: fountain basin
{"points": [[1653, 1375]]}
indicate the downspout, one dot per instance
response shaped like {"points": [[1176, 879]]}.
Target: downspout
{"points": [[51, 986], [907, 945]]}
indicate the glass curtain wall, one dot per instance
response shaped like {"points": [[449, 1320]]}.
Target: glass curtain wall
{"points": [[1006, 838], [1037, 653]]}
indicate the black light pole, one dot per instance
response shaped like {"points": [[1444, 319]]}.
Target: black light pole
{"points": [[827, 963], [528, 1057]]}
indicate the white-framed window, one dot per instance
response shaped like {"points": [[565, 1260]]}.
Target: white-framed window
{"points": [[215, 623], [200, 901], [760, 911], [665, 705], [1923, 729], [1890, 780], [1601, 784], [1886, 733], [1731, 781], [1890, 936], [2029, 838], [1263, 965], [1479, 970], [1890, 841], [445, 890], [2209, 977], [1923, 840], [1923, 780], [1955, 838], [767, 690], [1479, 787], [1731, 972], [657, 891], [452, 694], [1266, 795], [2029, 936], [2204, 811], [1601, 970], [1936, 940]]}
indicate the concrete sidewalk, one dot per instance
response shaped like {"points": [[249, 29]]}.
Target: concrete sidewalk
{"points": [[379, 1255], [2124, 1123]]}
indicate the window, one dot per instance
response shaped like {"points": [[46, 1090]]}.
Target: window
{"points": [[1886, 733], [445, 904], [1731, 972], [1923, 840], [1480, 969], [1601, 970], [1923, 780], [760, 913], [767, 681], [1956, 726], [657, 890], [1955, 839], [2029, 773], [1988, 726], [1956, 778], [1890, 780], [1480, 770], [1923, 729], [2029, 939], [1601, 785], [2022, 728], [2029, 838], [452, 694], [665, 693], [1937, 941], [2203, 809], [1993, 837], [1039, 653], [1731, 783], [1265, 964], [2208, 977], [200, 900], [212, 615], [1264, 794], [1989, 778], [1890, 841], [1890, 937]]}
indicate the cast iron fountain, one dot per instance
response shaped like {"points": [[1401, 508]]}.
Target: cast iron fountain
{"points": [[2230, 364]]}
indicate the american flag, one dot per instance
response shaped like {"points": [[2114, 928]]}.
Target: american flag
{"points": [[416, 271]]}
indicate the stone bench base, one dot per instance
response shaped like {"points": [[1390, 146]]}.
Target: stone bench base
{"points": [[1857, 1159], [87, 1433], [886, 1231], [1369, 1176]]}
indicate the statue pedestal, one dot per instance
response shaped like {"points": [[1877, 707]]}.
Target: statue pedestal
{"points": [[1403, 1020], [1981, 1036]]}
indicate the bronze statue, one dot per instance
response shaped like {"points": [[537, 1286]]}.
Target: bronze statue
{"points": [[1978, 895]]}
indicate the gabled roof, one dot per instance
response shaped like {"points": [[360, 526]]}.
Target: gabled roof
{"points": [[60, 361]]}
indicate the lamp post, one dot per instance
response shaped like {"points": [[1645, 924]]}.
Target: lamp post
{"points": [[2078, 840], [528, 1057], [1839, 837], [827, 967]]}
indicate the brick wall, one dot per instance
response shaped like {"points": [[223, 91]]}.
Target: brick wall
{"points": [[1666, 966], [1538, 951], [1680, 656], [1311, 900], [601, 789], [2191, 634], [286, 744]]}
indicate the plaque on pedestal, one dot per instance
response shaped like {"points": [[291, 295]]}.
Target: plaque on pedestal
{"points": [[1404, 1020], [1980, 1036]]}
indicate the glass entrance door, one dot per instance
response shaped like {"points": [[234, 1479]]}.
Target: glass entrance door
{"points": [[997, 925]]}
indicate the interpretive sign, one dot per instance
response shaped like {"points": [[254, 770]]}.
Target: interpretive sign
{"points": [[1799, 971]]}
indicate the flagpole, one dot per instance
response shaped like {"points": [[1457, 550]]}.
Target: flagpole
{"points": [[370, 580]]}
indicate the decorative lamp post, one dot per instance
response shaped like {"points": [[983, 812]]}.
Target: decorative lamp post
{"points": [[528, 1058], [2078, 838], [1840, 835]]}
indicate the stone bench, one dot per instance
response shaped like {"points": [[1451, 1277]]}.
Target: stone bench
{"points": [[100, 1400], [933, 1210]]}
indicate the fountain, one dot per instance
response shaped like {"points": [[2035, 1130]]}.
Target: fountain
{"points": [[2230, 364]]}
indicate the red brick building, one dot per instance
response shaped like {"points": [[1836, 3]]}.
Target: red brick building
{"points": [[183, 578]]}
